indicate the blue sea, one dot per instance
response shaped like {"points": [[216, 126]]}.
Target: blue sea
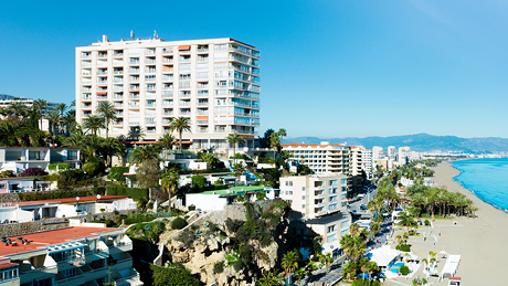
{"points": [[486, 178]]}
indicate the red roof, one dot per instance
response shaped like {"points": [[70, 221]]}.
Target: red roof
{"points": [[7, 265], [71, 200], [43, 239]]}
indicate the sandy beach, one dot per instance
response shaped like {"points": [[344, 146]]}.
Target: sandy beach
{"points": [[482, 241]]}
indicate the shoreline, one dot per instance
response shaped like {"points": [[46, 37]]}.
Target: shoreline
{"points": [[481, 240]]}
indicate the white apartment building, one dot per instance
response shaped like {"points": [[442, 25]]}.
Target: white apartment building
{"points": [[321, 201], [315, 195], [213, 82], [377, 153], [391, 152], [361, 161], [322, 158], [404, 155]]}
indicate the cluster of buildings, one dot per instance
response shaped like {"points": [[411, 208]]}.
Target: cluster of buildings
{"points": [[393, 157]]}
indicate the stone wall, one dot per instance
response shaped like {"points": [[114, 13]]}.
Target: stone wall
{"points": [[14, 229]]}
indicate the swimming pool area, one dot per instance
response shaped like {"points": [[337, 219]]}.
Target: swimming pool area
{"points": [[396, 267]]}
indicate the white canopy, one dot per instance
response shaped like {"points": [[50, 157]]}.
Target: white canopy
{"points": [[383, 255], [451, 266]]}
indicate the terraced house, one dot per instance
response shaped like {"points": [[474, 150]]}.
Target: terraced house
{"points": [[213, 82]]}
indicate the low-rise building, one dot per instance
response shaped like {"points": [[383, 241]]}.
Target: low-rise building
{"points": [[64, 208], [68, 256], [216, 200], [18, 159], [21, 185]]}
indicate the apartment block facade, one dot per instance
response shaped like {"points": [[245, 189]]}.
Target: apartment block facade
{"points": [[322, 158], [69, 256], [361, 161], [18, 159], [213, 82], [321, 201]]}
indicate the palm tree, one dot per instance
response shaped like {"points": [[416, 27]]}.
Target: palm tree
{"points": [[275, 141], [169, 181], [167, 141], [93, 123], [135, 134], [53, 118], [17, 109], [289, 262], [40, 106], [107, 112], [112, 147], [234, 139], [268, 278], [147, 159], [326, 260], [180, 125]]}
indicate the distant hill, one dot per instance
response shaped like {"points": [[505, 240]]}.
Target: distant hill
{"points": [[419, 142]]}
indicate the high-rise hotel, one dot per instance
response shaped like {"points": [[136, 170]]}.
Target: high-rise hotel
{"points": [[213, 82]]}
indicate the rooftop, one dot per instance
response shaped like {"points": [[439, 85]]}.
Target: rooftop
{"points": [[41, 240], [71, 200], [238, 190], [314, 146]]}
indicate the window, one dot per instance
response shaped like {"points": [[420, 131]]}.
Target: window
{"points": [[331, 228], [34, 155]]}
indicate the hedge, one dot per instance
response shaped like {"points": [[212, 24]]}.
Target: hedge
{"points": [[34, 196], [137, 194]]}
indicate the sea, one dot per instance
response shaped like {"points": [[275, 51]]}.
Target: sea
{"points": [[486, 178]]}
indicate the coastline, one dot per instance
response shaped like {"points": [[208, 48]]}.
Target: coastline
{"points": [[480, 240]]}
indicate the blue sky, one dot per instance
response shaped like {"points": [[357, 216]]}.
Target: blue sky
{"points": [[329, 68]]}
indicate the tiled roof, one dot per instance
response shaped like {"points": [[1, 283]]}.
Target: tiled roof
{"points": [[71, 200], [39, 240]]}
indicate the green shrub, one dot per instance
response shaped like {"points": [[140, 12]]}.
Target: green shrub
{"points": [[404, 270], [34, 196], [7, 174], [137, 194], [192, 208], [175, 275], [218, 267], [403, 247], [59, 166], [178, 223], [198, 182], [116, 173], [260, 196], [426, 222], [93, 167], [366, 282]]}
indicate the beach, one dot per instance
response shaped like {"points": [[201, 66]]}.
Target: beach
{"points": [[481, 241]]}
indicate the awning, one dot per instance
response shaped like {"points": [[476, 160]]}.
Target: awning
{"points": [[383, 256]]}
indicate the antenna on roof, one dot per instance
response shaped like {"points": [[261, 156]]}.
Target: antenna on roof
{"points": [[132, 35], [155, 35]]}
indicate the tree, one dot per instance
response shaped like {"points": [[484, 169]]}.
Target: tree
{"points": [[93, 123], [180, 125], [169, 181], [234, 139], [268, 278], [110, 147], [290, 262], [40, 106], [135, 133], [325, 259], [147, 159], [107, 112], [167, 141], [172, 275], [53, 118], [209, 158]]}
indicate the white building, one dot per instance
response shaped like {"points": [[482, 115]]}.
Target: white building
{"points": [[323, 158], [404, 155], [321, 201], [213, 82], [391, 152], [377, 153], [76, 255], [361, 161], [18, 159]]}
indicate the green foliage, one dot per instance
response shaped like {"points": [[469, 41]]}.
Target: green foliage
{"points": [[34, 196], [149, 231], [218, 267], [116, 173], [137, 194], [404, 247], [178, 223], [426, 222], [59, 166], [173, 275], [198, 182], [93, 167], [404, 270], [7, 174], [436, 201]]}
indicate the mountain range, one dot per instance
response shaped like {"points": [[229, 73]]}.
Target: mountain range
{"points": [[418, 142]]}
